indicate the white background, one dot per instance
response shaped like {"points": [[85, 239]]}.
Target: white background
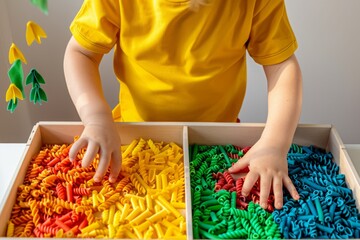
{"points": [[327, 31]]}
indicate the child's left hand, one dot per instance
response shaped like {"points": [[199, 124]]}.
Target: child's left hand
{"points": [[269, 163]]}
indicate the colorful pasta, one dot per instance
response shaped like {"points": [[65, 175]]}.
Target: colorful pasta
{"points": [[60, 199]]}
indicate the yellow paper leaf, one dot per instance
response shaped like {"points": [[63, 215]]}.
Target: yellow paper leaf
{"points": [[34, 32], [13, 92], [15, 54]]}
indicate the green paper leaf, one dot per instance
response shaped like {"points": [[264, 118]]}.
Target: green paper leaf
{"points": [[34, 77], [37, 94], [41, 4], [37, 98], [42, 95], [12, 105], [33, 95], [16, 75]]}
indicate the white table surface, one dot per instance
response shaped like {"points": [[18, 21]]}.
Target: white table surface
{"points": [[10, 156]]}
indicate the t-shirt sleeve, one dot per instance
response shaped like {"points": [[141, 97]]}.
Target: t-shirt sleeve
{"points": [[96, 25], [271, 38]]}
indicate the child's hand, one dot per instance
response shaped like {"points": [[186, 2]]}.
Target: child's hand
{"points": [[269, 163], [103, 139]]}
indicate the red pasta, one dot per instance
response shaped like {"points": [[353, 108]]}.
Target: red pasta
{"points": [[62, 225], [69, 192], [228, 177], [246, 149], [48, 229], [53, 162], [239, 184], [61, 191], [81, 191]]}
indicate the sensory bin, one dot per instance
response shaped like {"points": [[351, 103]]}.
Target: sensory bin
{"points": [[326, 208], [292, 220], [59, 198]]}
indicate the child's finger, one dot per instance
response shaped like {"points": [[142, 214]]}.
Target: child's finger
{"points": [[265, 185], [91, 151], [239, 165], [103, 165], [278, 192], [291, 188], [76, 147], [249, 182], [115, 166]]}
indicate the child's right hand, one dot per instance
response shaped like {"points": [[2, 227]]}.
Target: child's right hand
{"points": [[102, 138]]}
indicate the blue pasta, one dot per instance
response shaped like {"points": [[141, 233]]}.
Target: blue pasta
{"points": [[326, 208]]}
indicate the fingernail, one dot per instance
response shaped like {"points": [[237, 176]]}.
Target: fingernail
{"points": [[244, 194], [264, 205], [112, 179], [97, 179]]}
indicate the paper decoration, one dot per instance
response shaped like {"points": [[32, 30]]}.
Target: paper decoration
{"points": [[37, 94], [15, 53], [13, 93], [16, 75], [16, 89], [41, 4], [34, 33]]}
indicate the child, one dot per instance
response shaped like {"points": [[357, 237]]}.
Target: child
{"points": [[179, 60]]}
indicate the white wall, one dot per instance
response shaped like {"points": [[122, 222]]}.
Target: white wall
{"points": [[326, 30], [328, 34]]}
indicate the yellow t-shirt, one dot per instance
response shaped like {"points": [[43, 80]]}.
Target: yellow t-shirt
{"points": [[175, 64]]}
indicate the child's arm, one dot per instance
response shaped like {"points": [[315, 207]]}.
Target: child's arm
{"points": [[267, 159], [100, 134]]}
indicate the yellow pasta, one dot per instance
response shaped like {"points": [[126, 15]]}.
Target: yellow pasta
{"points": [[111, 214], [105, 215], [120, 232], [153, 146], [116, 221], [133, 214], [138, 233], [149, 233], [141, 217], [179, 205], [142, 204], [139, 147], [159, 230], [129, 149], [164, 181], [125, 212], [149, 202], [141, 181], [91, 227], [158, 182], [165, 204], [130, 234], [134, 201], [157, 216], [143, 226], [10, 229], [111, 231]]}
